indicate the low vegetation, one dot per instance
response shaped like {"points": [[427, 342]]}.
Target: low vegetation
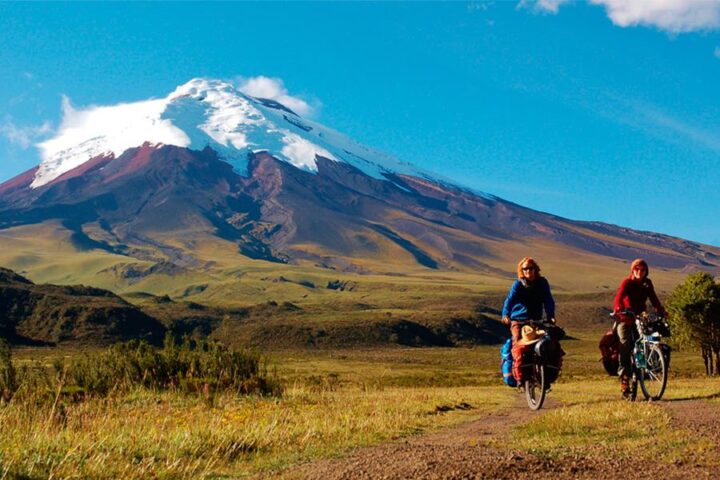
{"points": [[188, 367], [8, 374], [142, 433], [593, 423], [198, 409], [332, 401]]}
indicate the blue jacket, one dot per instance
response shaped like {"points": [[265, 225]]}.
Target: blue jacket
{"points": [[526, 301]]}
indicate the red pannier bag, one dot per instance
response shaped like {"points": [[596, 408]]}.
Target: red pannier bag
{"points": [[521, 354], [610, 351]]}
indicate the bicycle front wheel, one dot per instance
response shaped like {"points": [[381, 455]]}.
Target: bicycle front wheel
{"points": [[653, 378], [535, 388]]}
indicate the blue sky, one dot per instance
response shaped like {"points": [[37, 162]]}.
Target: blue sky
{"points": [[590, 111]]}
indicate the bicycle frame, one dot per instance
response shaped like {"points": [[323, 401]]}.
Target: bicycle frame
{"points": [[647, 344]]}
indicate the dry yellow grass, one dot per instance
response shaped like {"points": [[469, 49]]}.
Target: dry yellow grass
{"points": [[593, 421], [166, 435], [334, 401]]}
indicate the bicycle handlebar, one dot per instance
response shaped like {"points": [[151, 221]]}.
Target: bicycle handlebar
{"points": [[538, 323], [632, 314]]}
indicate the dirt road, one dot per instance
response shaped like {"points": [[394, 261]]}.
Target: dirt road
{"points": [[465, 452]]}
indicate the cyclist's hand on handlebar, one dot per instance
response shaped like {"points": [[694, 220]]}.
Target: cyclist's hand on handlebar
{"points": [[506, 320]]}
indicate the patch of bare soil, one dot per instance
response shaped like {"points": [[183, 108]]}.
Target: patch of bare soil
{"points": [[467, 452], [700, 418]]}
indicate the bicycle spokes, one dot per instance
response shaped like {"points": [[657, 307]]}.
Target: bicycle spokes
{"points": [[653, 378], [536, 388]]}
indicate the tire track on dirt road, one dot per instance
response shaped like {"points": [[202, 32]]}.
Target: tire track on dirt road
{"points": [[464, 451], [700, 418], [469, 451]]}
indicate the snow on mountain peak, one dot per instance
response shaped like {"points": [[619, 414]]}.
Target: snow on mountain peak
{"points": [[84, 134], [204, 112]]}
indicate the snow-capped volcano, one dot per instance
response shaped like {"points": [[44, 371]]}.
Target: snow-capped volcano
{"points": [[157, 179], [201, 113]]}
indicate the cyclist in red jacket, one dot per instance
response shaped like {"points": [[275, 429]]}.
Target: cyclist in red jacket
{"points": [[633, 295]]}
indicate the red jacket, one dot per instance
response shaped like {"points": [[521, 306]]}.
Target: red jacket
{"points": [[634, 294]]}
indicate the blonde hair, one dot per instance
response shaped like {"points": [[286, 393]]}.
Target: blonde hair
{"points": [[531, 262]]}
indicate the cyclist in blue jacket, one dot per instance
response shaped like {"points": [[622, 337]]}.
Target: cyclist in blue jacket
{"points": [[529, 295]]}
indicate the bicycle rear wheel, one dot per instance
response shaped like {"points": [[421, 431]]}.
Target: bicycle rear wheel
{"points": [[535, 388], [653, 378]]}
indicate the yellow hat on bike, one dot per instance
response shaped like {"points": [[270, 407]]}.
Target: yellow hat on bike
{"points": [[530, 335]]}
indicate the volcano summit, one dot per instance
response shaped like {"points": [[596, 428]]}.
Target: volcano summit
{"points": [[205, 113]]}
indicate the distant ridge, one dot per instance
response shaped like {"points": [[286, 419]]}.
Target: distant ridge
{"points": [[51, 314]]}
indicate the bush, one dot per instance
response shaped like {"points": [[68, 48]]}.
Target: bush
{"points": [[192, 366]]}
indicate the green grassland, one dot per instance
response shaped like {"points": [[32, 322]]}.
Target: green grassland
{"points": [[300, 305], [212, 271]]}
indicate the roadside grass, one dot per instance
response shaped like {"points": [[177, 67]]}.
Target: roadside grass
{"points": [[168, 435], [394, 367], [593, 421], [333, 401]]}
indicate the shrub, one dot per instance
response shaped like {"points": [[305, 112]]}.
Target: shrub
{"points": [[191, 366]]}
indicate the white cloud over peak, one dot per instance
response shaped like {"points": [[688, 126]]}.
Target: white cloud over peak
{"points": [[674, 16], [273, 89], [24, 136], [121, 126]]}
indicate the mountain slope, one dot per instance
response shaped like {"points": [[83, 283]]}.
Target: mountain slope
{"points": [[259, 182], [279, 212]]}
